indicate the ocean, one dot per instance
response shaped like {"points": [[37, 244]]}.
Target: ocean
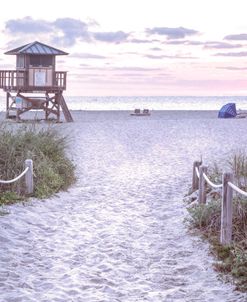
{"points": [[150, 102]]}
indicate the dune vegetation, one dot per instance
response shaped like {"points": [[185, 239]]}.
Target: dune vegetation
{"points": [[207, 219], [53, 171]]}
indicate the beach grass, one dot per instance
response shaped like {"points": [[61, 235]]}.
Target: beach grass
{"points": [[53, 171], [207, 219]]}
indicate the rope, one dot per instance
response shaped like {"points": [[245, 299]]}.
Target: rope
{"points": [[210, 182], [15, 179], [234, 187], [237, 189], [207, 179]]}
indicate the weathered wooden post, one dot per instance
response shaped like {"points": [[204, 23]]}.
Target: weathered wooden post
{"points": [[226, 210], [202, 184], [29, 176], [195, 180]]}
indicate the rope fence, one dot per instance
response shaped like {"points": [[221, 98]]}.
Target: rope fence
{"points": [[28, 173], [200, 181]]}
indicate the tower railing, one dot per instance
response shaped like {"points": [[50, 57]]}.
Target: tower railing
{"points": [[18, 80]]}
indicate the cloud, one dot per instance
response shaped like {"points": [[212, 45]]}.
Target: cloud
{"points": [[156, 48], [63, 31], [232, 54], [172, 33], [129, 75], [60, 61], [207, 45], [232, 68], [158, 57], [239, 37], [16, 42], [216, 84], [221, 45], [111, 37], [184, 42], [80, 76], [6, 66], [72, 29], [135, 68], [140, 41], [129, 69], [87, 56], [27, 25]]}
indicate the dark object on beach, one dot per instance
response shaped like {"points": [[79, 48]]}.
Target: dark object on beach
{"points": [[138, 112], [228, 111]]}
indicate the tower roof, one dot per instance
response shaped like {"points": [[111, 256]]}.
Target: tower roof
{"points": [[36, 48]]}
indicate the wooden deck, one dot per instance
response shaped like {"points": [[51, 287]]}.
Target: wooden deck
{"points": [[17, 80]]}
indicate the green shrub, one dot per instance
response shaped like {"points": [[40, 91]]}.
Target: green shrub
{"points": [[53, 171], [206, 218], [8, 198], [238, 164]]}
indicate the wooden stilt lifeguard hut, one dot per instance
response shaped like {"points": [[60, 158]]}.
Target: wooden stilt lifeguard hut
{"points": [[35, 84]]}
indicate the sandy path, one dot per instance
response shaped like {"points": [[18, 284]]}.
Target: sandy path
{"points": [[118, 234]]}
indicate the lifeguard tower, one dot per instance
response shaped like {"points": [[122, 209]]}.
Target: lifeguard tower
{"points": [[35, 84]]}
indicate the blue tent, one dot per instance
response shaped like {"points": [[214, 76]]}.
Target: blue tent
{"points": [[228, 110]]}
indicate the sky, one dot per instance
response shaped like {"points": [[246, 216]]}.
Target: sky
{"points": [[136, 47]]}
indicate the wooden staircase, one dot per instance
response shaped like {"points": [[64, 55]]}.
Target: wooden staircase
{"points": [[67, 115]]}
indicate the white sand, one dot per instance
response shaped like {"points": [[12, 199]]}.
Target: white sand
{"points": [[118, 234]]}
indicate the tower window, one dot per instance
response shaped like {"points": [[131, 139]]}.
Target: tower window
{"points": [[44, 61]]}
